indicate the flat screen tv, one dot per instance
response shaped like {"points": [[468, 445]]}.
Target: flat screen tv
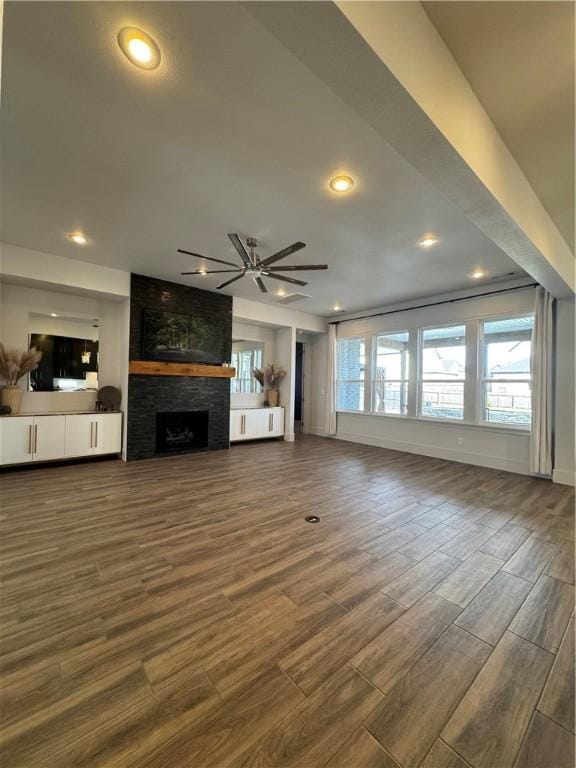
{"points": [[181, 338]]}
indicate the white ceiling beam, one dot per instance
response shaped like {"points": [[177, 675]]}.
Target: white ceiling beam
{"points": [[388, 63]]}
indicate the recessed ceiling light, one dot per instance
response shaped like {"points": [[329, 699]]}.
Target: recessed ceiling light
{"points": [[341, 183], [77, 237], [53, 314], [139, 48], [202, 271], [336, 307], [428, 241], [477, 274], [280, 292]]}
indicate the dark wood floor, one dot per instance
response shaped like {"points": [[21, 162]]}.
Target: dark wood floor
{"points": [[180, 613]]}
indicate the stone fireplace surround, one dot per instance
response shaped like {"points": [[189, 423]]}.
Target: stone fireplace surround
{"points": [[150, 395]]}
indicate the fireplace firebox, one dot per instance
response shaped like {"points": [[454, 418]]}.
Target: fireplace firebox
{"points": [[180, 432]]}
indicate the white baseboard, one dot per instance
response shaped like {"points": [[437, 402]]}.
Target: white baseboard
{"points": [[564, 476], [319, 432], [464, 457], [289, 437]]}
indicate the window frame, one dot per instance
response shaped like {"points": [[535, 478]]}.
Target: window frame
{"points": [[420, 379], [473, 381], [403, 382], [483, 380], [364, 381]]}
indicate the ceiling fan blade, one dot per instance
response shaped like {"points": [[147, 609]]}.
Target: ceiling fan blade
{"points": [[208, 258], [260, 283], [286, 279], [237, 243], [233, 280], [212, 271], [296, 268], [283, 253]]}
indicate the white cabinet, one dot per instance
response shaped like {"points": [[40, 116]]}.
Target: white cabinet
{"points": [[108, 433], [24, 439], [16, 439], [49, 437], [236, 425], [31, 438], [79, 434], [256, 423], [93, 433]]}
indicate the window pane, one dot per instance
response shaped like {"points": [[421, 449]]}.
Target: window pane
{"points": [[351, 359], [443, 400], [507, 345], [507, 402], [351, 372], [392, 357], [351, 395], [444, 353], [390, 396]]}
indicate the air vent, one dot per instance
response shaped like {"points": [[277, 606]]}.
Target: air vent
{"points": [[290, 298]]}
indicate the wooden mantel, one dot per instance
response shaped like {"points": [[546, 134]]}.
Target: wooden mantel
{"points": [[155, 368]]}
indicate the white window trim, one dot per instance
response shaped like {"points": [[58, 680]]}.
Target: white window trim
{"points": [[482, 380], [420, 380], [474, 379], [364, 381], [373, 381]]}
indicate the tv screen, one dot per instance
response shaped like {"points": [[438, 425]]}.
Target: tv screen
{"points": [[180, 338]]}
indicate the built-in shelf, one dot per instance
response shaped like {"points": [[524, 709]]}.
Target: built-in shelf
{"points": [[155, 368]]}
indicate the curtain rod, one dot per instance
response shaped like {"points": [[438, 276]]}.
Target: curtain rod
{"points": [[434, 304]]}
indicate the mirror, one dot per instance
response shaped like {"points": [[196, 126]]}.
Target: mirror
{"points": [[246, 355], [69, 349]]}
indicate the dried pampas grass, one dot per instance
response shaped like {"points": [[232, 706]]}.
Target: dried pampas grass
{"points": [[15, 364]]}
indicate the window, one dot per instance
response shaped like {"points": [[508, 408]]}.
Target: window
{"points": [[443, 369], [505, 367], [245, 357], [474, 372], [391, 371], [350, 374]]}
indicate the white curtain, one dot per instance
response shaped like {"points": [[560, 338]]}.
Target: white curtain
{"points": [[541, 366], [331, 382]]}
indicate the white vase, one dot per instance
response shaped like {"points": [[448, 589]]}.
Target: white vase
{"points": [[12, 396]]}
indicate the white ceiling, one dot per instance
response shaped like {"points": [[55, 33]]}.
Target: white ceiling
{"points": [[231, 134], [519, 59]]}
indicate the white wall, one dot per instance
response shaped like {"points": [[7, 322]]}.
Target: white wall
{"points": [[495, 447], [62, 326], [19, 307], [564, 421], [286, 358], [318, 349], [248, 311], [60, 273], [485, 446], [286, 323]]}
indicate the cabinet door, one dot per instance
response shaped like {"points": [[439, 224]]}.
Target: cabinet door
{"points": [[16, 439], [63, 358], [278, 421], [108, 433], [267, 422], [236, 422], [253, 423], [49, 437], [80, 434]]}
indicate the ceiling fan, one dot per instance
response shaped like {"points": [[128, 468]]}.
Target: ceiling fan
{"points": [[254, 267]]}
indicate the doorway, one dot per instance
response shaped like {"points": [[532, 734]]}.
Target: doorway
{"points": [[299, 389]]}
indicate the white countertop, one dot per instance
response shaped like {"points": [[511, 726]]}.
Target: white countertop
{"points": [[56, 413]]}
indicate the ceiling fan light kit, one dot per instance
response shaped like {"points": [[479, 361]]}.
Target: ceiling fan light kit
{"points": [[253, 266]]}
